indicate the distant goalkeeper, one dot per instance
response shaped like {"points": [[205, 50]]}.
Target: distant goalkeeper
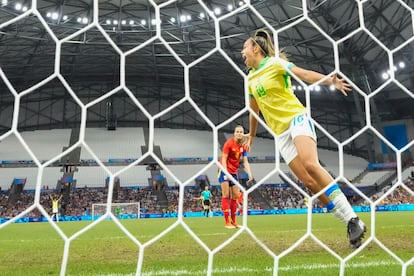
{"points": [[205, 200]]}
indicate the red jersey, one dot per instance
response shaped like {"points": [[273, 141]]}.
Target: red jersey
{"points": [[234, 153]]}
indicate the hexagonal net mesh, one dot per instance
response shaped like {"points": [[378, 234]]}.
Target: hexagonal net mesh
{"points": [[106, 210]]}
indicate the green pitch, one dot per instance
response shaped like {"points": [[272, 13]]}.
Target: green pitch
{"points": [[37, 249]]}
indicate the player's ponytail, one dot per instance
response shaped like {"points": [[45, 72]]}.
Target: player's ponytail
{"points": [[263, 39]]}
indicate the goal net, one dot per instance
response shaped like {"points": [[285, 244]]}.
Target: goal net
{"points": [[212, 27], [129, 210]]}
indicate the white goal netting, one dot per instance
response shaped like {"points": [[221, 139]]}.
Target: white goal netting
{"points": [[119, 210]]}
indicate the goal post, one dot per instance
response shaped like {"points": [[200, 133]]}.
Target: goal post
{"points": [[130, 210]]}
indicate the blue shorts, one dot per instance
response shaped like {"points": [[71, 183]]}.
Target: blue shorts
{"points": [[222, 177]]}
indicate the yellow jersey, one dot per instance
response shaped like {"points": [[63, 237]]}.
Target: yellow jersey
{"points": [[55, 204], [271, 86]]}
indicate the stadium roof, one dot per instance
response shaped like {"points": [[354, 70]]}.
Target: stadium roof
{"points": [[89, 59]]}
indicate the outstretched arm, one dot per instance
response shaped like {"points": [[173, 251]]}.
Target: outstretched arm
{"points": [[311, 76]]}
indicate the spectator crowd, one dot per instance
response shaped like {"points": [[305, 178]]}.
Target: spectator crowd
{"points": [[81, 199]]}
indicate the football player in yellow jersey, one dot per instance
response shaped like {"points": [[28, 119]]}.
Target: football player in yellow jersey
{"points": [[271, 94], [55, 207]]}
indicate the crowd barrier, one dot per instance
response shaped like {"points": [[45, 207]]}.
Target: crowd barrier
{"points": [[358, 209]]}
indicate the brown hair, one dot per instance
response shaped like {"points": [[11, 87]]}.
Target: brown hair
{"points": [[263, 39], [239, 126]]}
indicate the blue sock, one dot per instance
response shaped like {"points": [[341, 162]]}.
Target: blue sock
{"points": [[332, 191], [330, 206]]}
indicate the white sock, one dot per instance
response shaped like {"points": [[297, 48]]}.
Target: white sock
{"points": [[338, 214], [342, 210], [343, 206]]}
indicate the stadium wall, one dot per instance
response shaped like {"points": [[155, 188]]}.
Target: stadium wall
{"points": [[358, 209]]}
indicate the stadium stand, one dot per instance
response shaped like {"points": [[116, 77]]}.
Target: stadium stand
{"points": [[182, 149], [408, 173], [123, 143], [45, 144], [372, 177], [181, 143], [185, 171], [197, 146], [95, 176], [353, 165], [260, 171], [8, 174]]}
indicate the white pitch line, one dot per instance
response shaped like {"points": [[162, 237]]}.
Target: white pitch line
{"points": [[267, 269]]}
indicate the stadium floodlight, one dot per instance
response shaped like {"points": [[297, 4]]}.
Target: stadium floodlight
{"points": [[55, 15], [18, 6]]}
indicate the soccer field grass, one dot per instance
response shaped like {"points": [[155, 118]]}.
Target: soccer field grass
{"points": [[37, 249]]}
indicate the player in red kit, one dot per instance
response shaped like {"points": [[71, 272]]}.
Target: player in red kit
{"points": [[239, 202], [233, 151]]}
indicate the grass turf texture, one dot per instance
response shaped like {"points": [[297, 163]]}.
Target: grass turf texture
{"points": [[37, 249]]}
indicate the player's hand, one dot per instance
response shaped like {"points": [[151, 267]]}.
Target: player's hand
{"points": [[248, 141], [341, 85]]}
